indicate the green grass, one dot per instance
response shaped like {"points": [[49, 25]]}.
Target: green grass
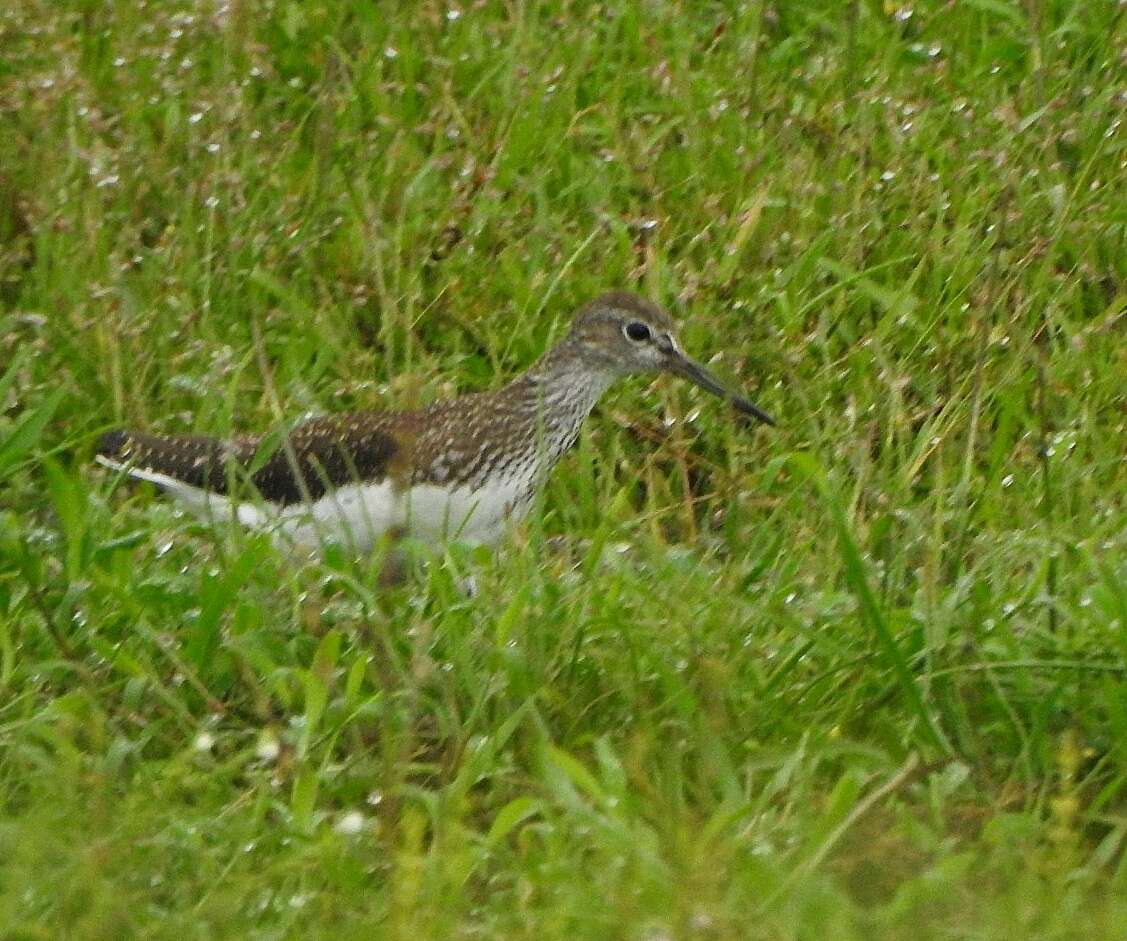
{"points": [[858, 677]]}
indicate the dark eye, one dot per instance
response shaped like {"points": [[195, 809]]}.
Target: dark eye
{"points": [[637, 331]]}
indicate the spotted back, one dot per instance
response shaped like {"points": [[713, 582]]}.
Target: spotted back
{"points": [[315, 457]]}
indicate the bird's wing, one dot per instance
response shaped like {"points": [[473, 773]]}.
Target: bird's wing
{"points": [[303, 464]]}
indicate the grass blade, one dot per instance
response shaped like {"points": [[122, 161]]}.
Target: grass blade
{"points": [[24, 437], [871, 614]]}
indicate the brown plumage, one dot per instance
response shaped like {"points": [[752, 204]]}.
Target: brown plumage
{"points": [[499, 444], [323, 454]]}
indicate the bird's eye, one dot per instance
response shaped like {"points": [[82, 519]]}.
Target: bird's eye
{"points": [[637, 331]]}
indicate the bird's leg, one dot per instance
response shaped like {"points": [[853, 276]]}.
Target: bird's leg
{"points": [[394, 565]]}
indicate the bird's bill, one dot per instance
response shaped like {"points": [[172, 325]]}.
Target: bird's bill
{"points": [[681, 365]]}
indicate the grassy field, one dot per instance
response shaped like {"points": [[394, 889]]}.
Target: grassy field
{"points": [[858, 677]]}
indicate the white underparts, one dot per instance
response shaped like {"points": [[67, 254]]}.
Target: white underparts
{"points": [[495, 486], [357, 515]]}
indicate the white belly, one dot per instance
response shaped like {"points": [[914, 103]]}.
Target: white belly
{"points": [[359, 514]]}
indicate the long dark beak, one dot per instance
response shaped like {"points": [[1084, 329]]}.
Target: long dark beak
{"points": [[680, 365]]}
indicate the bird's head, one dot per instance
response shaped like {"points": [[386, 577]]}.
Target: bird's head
{"points": [[625, 334]]}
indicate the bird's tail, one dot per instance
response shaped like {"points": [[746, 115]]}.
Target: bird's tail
{"points": [[194, 461]]}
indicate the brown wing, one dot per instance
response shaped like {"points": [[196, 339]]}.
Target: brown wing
{"points": [[328, 453], [194, 459], [314, 458]]}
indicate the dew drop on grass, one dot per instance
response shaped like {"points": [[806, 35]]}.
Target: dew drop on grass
{"points": [[268, 748], [350, 823]]}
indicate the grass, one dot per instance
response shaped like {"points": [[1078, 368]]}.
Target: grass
{"points": [[861, 676]]}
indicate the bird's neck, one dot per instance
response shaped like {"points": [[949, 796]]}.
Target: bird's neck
{"points": [[559, 390], [565, 380]]}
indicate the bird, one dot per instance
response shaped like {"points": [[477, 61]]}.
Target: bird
{"points": [[460, 469]]}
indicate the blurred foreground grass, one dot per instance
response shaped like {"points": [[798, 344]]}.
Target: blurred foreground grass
{"points": [[858, 677]]}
